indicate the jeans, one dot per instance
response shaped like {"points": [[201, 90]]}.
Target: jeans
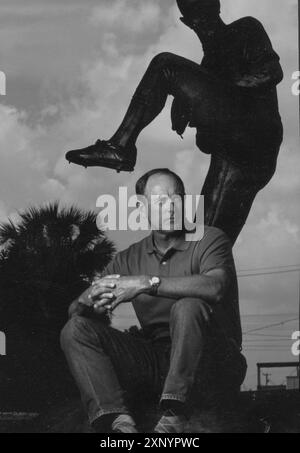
{"points": [[110, 366]]}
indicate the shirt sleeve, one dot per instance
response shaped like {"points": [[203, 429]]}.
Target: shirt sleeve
{"points": [[262, 67], [217, 252]]}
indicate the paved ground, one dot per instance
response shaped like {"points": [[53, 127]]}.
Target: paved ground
{"points": [[280, 417]]}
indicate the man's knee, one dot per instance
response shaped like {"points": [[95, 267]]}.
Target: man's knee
{"points": [[191, 308], [76, 329]]}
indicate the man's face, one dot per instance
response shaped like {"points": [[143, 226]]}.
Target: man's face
{"points": [[165, 204], [204, 21]]}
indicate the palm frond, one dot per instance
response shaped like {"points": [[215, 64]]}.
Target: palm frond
{"points": [[48, 256]]}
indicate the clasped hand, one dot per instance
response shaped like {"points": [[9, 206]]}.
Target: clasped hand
{"points": [[112, 290]]}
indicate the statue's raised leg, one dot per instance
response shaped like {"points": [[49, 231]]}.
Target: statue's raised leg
{"points": [[167, 74], [243, 140]]}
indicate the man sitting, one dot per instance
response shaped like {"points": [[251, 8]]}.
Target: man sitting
{"points": [[185, 296]]}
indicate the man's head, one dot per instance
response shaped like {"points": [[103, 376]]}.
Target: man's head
{"points": [[200, 15], [164, 192]]}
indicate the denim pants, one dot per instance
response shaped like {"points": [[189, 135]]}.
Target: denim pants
{"points": [[110, 366]]}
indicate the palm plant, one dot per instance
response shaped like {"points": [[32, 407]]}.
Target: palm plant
{"points": [[47, 259]]}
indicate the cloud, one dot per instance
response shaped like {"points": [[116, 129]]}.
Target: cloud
{"points": [[24, 170], [186, 162], [277, 228], [3, 212], [132, 15]]}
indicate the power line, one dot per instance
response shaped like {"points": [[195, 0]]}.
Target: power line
{"points": [[266, 348], [269, 273], [269, 268], [268, 345], [274, 340], [270, 326], [268, 336], [262, 348], [271, 343]]}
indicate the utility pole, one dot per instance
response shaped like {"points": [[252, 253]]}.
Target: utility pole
{"points": [[267, 376]]}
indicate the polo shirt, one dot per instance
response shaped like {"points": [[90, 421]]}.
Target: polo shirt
{"points": [[185, 258]]}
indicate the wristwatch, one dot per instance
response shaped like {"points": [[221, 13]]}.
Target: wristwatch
{"points": [[155, 284]]}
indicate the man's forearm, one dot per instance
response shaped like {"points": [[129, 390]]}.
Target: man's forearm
{"points": [[208, 288]]}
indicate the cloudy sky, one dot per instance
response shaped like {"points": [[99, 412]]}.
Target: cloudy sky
{"points": [[72, 66]]}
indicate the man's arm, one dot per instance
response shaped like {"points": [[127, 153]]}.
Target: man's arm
{"points": [[212, 287], [263, 66], [216, 273]]}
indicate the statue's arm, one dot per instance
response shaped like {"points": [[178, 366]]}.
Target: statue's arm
{"points": [[262, 64], [270, 75]]}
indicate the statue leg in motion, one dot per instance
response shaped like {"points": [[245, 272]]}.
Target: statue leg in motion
{"points": [[244, 148], [230, 99], [166, 75]]}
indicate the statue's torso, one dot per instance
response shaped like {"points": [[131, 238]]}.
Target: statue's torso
{"points": [[241, 49]]}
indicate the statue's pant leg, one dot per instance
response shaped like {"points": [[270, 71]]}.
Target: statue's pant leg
{"points": [[229, 193], [244, 143], [169, 74], [200, 100]]}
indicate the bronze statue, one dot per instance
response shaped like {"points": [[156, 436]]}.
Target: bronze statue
{"points": [[230, 98]]}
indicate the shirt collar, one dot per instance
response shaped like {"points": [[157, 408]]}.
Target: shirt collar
{"points": [[180, 245]]}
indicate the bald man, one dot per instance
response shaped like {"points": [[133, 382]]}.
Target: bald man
{"points": [[230, 98]]}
